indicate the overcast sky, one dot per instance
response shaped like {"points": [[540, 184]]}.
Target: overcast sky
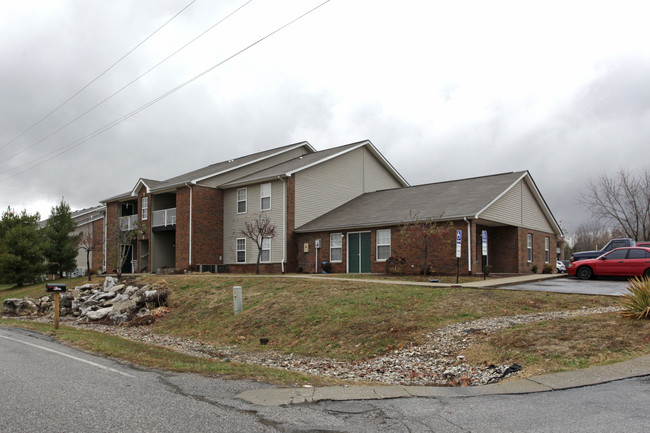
{"points": [[445, 90]]}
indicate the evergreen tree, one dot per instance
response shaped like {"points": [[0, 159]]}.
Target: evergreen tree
{"points": [[21, 248], [61, 246]]}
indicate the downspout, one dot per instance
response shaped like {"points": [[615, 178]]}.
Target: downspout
{"points": [[189, 185], [284, 222], [105, 240], [469, 245]]}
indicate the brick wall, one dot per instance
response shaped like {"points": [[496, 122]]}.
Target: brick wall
{"points": [[293, 252], [98, 238], [207, 226], [112, 212], [144, 226], [506, 250]]}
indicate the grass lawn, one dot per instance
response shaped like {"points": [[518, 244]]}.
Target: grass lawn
{"points": [[360, 319]]}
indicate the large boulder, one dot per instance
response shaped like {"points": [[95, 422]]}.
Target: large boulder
{"points": [[99, 314], [19, 307]]}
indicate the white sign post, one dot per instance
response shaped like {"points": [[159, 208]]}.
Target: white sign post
{"points": [[485, 249], [459, 240], [237, 299]]}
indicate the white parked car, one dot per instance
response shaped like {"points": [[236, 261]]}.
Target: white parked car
{"points": [[561, 268]]}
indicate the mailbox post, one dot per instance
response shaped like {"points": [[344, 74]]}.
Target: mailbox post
{"points": [[56, 289]]}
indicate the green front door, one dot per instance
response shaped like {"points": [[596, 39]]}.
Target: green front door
{"points": [[359, 253]]}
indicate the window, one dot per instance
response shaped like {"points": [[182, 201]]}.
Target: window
{"points": [[145, 208], [336, 247], [242, 194], [266, 250], [241, 250], [530, 247], [265, 196], [383, 244], [616, 255], [547, 252], [639, 254]]}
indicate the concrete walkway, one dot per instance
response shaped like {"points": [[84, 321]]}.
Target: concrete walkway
{"points": [[549, 382]]}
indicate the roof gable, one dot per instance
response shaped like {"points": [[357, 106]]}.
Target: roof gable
{"points": [[464, 198], [305, 162]]}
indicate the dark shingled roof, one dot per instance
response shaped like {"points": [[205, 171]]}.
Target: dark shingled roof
{"points": [[209, 170], [446, 200]]}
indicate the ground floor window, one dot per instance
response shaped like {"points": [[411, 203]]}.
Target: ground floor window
{"points": [[241, 250], [336, 247], [529, 243], [383, 244], [266, 250], [547, 250]]}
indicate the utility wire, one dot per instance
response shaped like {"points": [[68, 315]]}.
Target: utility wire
{"points": [[94, 79], [45, 158], [103, 101]]}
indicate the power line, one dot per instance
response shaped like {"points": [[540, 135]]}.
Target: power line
{"points": [[125, 86], [108, 126], [94, 79]]}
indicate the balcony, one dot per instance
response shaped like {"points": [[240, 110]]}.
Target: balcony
{"points": [[128, 223], [164, 218]]}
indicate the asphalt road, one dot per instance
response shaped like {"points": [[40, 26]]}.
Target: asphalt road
{"points": [[45, 386], [609, 286]]}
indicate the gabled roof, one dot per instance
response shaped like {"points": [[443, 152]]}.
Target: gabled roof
{"points": [[207, 172], [304, 162], [464, 198]]}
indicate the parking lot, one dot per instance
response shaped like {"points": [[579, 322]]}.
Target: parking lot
{"points": [[609, 287]]}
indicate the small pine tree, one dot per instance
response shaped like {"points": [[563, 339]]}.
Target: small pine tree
{"points": [[61, 245]]}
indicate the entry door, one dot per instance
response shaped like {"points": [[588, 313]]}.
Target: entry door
{"points": [[359, 253]]}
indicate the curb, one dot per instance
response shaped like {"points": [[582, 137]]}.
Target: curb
{"points": [[638, 367]]}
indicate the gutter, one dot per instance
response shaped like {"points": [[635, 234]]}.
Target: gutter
{"points": [[284, 222], [189, 185]]}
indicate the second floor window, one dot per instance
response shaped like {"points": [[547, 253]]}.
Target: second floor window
{"points": [[242, 194], [145, 208], [265, 196]]}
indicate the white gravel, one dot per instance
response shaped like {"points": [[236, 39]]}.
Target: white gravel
{"points": [[436, 362]]}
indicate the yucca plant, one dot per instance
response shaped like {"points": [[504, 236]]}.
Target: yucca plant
{"points": [[636, 303]]}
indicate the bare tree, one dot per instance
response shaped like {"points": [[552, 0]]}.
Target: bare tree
{"points": [[119, 243], [622, 200], [591, 236], [89, 243], [258, 230], [423, 235]]}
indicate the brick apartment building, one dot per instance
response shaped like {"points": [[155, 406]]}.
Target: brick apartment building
{"points": [[343, 205]]}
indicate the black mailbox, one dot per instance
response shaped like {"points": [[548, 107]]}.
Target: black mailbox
{"points": [[52, 287]]}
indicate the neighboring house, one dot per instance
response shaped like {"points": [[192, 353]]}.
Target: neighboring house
{"points": [[91, 222], [348, 198], [360, 235]]}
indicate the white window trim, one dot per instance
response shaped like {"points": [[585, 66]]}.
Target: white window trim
{"points": [[262, 197], [547, 250], [267, 239], [237, 250], [529, 247], [145, 208], [390, 240], [340, 237], [245, 201]]}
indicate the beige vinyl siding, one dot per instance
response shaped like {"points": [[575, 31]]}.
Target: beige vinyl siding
{"points": [[375, 175], [252, 168], [325, 186], [233, 223], [518, 207]]}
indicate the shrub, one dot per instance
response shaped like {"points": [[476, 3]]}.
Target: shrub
{"points": [[394, 265], [636, 303], [547, 269], [487, 270], [534, 269]]}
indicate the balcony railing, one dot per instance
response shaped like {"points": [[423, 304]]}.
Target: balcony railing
{"points": [[164, 218], [128, 222]]}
